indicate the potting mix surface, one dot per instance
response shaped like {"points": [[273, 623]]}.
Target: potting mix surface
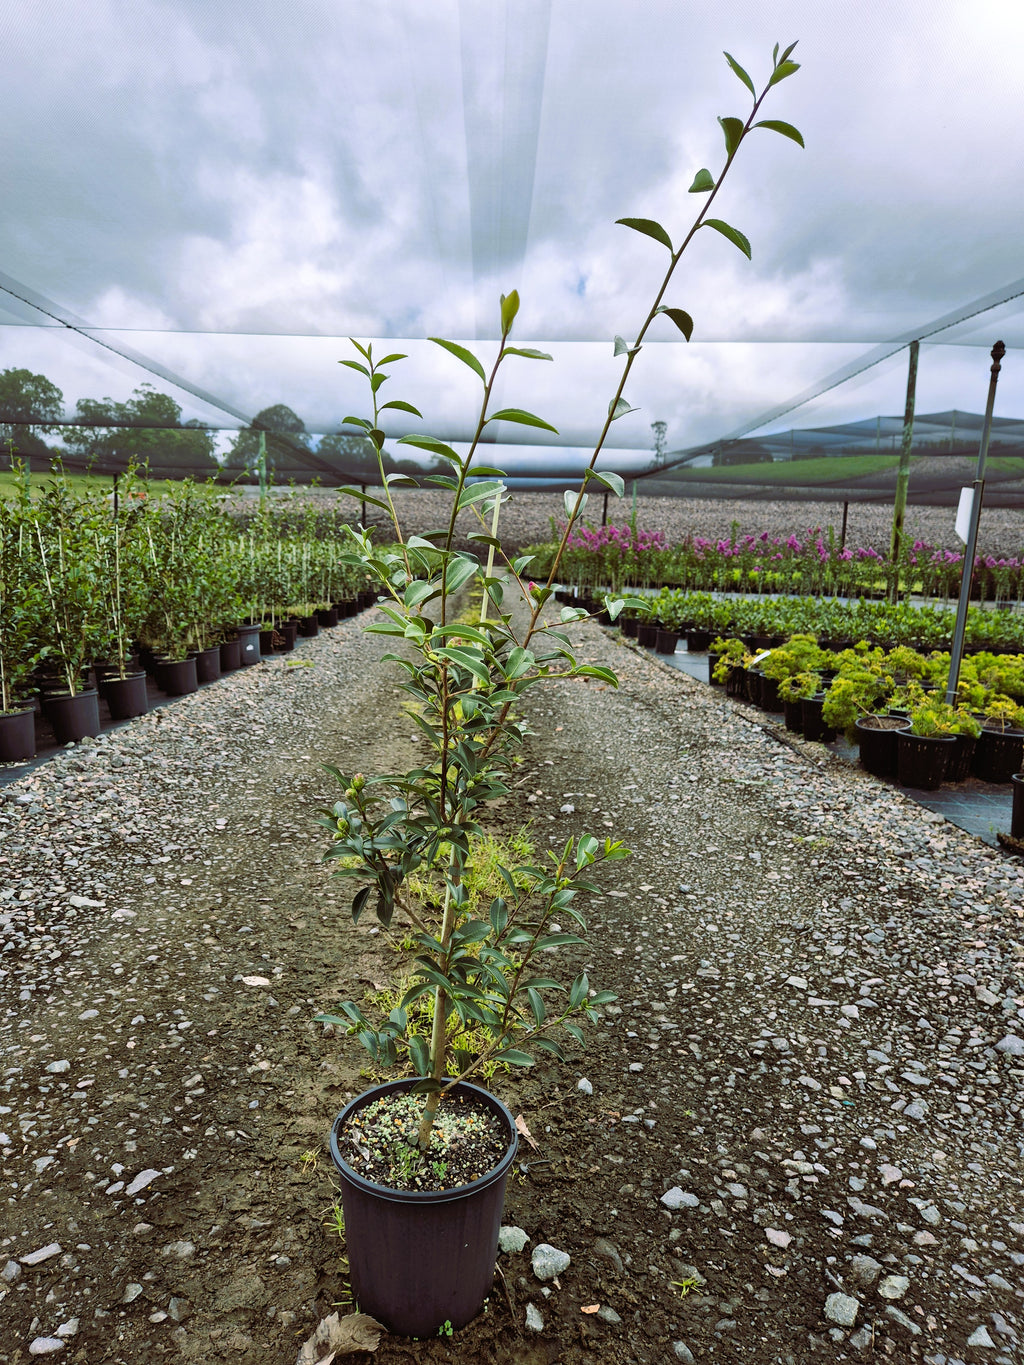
{"points": [[796, 1136]]}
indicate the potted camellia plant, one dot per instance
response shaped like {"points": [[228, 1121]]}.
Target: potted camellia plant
{"points": [[422, 1160], [21, 606]]}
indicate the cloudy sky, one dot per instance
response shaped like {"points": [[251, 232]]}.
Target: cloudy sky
{"points": [[230, 190]]}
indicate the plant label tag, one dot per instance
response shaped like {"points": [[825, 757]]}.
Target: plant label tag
{"points": [[963, 513], [758, 658]]}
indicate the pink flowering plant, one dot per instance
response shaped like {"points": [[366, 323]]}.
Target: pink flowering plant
{"points": [[486, 978]]}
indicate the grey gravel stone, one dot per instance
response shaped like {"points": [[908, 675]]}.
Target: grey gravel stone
{"points": [[45, 1346], [43, 1254], [893, 1287], [548, 1261], [512, 1239], [534, 1321], [677, 1198], [682, 1352], [608, 1251], [609, 1315], [842, 1308], [1012, 1045], [584, 1086], [980, 1337]]}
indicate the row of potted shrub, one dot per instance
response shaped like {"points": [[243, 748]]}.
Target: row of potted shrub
{"points": [[624, 557], [699, 616], [89, 582], [892, 703]]}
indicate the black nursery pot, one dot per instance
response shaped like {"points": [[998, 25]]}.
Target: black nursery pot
{"points": [[75, 717], [230, 655], [421, 1259], [208, 664], [814, 725], [125, 697], [249, 644], [177, 677], [998, 754], [17, 735], [647, 634], [921, 759]]}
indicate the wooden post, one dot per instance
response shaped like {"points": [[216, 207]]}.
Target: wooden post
{"points": [[842, 535], [903, 477]]}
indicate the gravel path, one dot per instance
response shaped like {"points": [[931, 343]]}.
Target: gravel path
{"points": [[800, 1136]]}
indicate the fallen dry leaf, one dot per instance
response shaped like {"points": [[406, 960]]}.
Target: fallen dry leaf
{"points": [[525, 1132], [339, 1337], [590, 1308]]}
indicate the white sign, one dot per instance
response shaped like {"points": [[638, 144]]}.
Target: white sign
{"points": [[963, 513]]}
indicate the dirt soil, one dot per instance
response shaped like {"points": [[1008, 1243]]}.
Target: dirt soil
{"points": [[816, 983]]}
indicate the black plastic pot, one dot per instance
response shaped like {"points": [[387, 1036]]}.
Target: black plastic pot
{"points": [[630, 626], [1017, 814], [697, 641], [736, 683], [17, 735], [959, 758], [647, 634], [793, 711], [769, 694], [998, 754], [921, 759], [177, 677], [125, 697], [286, 633], [419, 1260], [327, 617], [230, 655], [813, 720], [309, 626], [665, 641], [208, 664], [73, 717], [267, 642], [249, 642], [713, 659], [878, 746]]}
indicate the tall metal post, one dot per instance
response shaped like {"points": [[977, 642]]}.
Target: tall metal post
{"points": [[261, 466], [899, 506], [970, 548]]}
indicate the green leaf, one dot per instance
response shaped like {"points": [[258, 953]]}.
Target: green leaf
{"points": [[527, 352], [569, 503], [549, 1045], [733, 234], [479, 470], [579, 990], [783, 70], [430, 443], [733, 130], [377, 437], [474, 492], [367, 497], [355, 421], [603, 998], [460, 352], [465, 659], [786, 129], [525, 419], [594, 671], [459, 573], [785, 55], [390, 359], [418, 592], [509, 309], [741, 74], [359, 901], [682, 320], [537, 1005], [419, 1055], [376, 380], [618, 408], [612, 481], [400, 405], [649, 228], [702, 182], [514, 1057], [355, 365]]}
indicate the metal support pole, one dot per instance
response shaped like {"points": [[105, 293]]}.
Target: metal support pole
{"points": [[842, 534], [604, 511], [903, 477], [261, 466], [970, 548]]}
